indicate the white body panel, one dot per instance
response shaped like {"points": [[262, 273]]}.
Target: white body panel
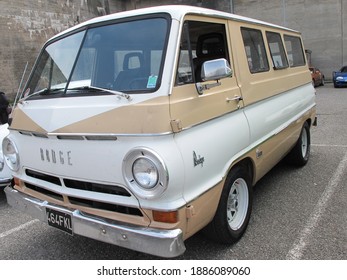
{"points": [[100, 162], [223, 140], [270, 116]]}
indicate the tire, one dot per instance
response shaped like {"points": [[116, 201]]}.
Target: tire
{"points": [[322, 82], [234, 209], [300, 154]]}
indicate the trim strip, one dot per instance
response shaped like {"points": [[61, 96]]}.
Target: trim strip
{"points": [[88, 136]]}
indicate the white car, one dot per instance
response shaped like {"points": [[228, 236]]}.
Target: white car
{"points": [[5, 172]]}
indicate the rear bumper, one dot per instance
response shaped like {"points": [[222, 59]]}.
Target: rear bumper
{"points": [[163, 243], [340, 83]]}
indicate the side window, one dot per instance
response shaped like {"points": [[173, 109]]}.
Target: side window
{"points": [[200, 42], [278, 55], [255, 50], [295, 51], [184, 71]]}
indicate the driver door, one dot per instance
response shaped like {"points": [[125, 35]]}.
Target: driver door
{"points": [[202, 40]]}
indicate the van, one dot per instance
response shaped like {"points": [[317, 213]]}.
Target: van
{"points": [[143, 127]]}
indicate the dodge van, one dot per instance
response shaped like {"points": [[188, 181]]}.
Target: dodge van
{"points": [[143, 127]]}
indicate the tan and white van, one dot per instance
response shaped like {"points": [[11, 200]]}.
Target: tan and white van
{"points": [[144, 127]]}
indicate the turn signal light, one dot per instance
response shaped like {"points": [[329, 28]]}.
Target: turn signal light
{"points": [[165, 217]]}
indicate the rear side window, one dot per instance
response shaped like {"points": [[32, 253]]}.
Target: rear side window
{"points": [[255, 50], [276, 47], [295, 51]]}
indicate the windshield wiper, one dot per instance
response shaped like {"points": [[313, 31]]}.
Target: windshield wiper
{"points": [[118, 93], [42, 91]]}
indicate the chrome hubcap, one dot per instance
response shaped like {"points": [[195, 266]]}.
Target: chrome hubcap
{"points": [[304, 143], [237, 204]]}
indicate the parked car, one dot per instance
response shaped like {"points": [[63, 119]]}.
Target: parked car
{"points": [[5, 172], [317, 77], [340, 77]]}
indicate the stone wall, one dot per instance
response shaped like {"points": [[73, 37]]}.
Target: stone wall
{"points": [[25, 27], [223, 5]]}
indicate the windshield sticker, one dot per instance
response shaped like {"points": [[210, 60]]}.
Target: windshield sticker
{"points": [[152, 81]]}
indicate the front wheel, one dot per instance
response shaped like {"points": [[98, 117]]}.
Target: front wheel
{"points": [[234, 209]]}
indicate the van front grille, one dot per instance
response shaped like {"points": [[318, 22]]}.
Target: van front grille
{"points": [[79, 185], [105, 206], [95, 187], [83, 186], [44, 191], [44, 177]]}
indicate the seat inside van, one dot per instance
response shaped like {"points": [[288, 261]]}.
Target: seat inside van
{"points": [[132, 75], [209, 46]]}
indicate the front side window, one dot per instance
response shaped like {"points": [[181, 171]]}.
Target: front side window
{"points": [[200, 42], [294, 50], [276, 47], [122, 56]]}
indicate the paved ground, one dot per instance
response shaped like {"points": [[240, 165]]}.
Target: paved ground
{"points": [[297, 213]]}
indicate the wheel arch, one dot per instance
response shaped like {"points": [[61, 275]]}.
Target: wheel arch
{"points": [[219, 229], [246, 163]]}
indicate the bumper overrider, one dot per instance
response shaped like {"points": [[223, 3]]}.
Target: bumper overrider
{"points": [[5, 181], [163, 243]]}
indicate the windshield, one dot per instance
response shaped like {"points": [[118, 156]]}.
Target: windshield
{"points": [[123, 57]]}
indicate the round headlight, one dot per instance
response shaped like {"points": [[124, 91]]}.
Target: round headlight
{"points": [[145, 173], [10, 154]]}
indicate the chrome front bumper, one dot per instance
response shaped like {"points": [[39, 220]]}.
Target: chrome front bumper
{"points": [[5, 181], [163, 243]]}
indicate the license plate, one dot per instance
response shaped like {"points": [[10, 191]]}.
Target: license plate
{"points": [[59, 220]]}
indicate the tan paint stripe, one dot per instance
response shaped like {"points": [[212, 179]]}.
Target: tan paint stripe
{"points": [[151, 116], [22, 121], [147, 117]]}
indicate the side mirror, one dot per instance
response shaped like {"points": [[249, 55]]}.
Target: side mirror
{"points": [[215, 70]]}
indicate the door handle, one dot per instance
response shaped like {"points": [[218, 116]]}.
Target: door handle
{"points": [[235, 98]]}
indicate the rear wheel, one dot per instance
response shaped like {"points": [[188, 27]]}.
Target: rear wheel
{"points": [[300, 154], [234, 209]]}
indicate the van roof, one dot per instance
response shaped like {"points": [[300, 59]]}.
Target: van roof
{"points": [[177, 12]]}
